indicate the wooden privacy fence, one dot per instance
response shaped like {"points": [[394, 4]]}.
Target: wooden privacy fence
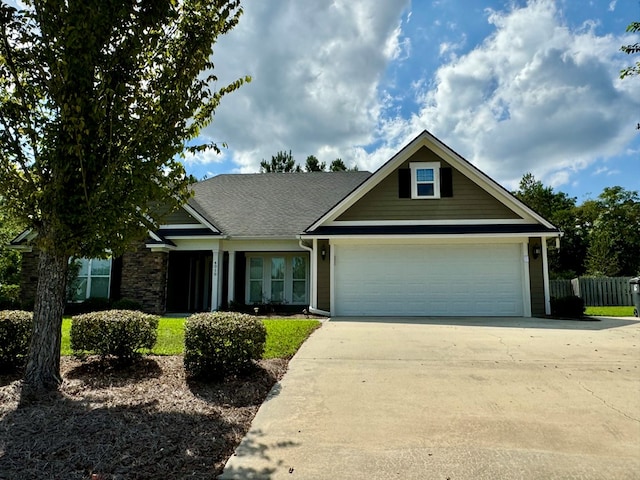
{"points": [[595, 291]]}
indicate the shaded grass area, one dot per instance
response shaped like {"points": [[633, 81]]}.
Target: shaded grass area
{"points": [[284, 336], [609, 311]]}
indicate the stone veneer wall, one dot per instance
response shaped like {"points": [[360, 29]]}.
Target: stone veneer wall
{"points": [[29, 277], [144, 278]]}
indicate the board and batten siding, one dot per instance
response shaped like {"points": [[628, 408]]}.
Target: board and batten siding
{"points": [[536, 279], [469, 201]]}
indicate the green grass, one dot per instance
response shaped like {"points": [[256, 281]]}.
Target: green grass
{"points": [[284, 336], [609, 311]]}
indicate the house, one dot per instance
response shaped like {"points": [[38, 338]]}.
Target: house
{"points": [[427, 234]]}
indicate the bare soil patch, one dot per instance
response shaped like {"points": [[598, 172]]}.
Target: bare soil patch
{"points": [[144, 422]]}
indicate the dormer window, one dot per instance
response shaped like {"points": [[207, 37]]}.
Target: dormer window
{"points": [[425, 180]]}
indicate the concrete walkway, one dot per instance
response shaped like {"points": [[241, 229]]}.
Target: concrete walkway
{"points": [[453, 399]]}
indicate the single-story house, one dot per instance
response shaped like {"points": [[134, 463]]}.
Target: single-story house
{"points": [[427, 234]]}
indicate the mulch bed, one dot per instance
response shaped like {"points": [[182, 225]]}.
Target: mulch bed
{"points": [[144, 422]]}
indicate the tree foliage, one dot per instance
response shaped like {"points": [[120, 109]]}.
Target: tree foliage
{"points": [[338, 166], [281, 162], [631, 49], [9, 259], [601, 236], [559, 209], [312, 164], [99, 100], [615, 236]]}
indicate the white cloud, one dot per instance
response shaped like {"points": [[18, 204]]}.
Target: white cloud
{"points": [[612, 5], [316, 69], [534, 96]]}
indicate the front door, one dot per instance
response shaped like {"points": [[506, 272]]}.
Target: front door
{"points": [[189, 282]]}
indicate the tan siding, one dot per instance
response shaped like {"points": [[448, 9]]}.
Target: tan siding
{"points": [[469, 201], [324, 278], [536, 279], [179, 217]]}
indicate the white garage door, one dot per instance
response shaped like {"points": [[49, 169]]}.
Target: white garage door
{"points": [[428, 280]]}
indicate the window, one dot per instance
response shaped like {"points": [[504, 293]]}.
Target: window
{"points": [[279, 278], [299, 280], [425, 180], [255, 280], [93, 280]]}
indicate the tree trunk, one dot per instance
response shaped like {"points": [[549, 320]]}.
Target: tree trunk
{"points": [[43, 366]]}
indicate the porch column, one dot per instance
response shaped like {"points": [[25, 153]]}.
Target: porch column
{"points": [[545, 272], [231, 278]]}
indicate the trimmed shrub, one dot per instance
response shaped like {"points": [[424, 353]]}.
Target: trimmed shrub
{"points": [[9, 296], [118, 333], [89, 305], [570, 306], [221, 343], [15, 335], [126, 304]]}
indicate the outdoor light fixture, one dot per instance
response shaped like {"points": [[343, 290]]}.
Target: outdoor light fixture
{"points": [[323, 253], [536, 251]]}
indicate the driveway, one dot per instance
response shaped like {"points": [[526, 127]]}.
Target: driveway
{"points": [[455, 399]]}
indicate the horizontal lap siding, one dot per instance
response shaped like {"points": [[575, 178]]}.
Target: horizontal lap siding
{"points": [[179, 217], [469, 201]]}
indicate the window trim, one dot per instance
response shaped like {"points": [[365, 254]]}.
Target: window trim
{"points": [[288, 276], [415, 166], [89, 276]]}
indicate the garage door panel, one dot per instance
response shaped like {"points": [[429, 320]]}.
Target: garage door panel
{"points": [[429, 280]]}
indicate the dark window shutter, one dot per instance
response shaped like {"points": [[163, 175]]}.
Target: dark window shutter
{"points": [[404, 183], [446, 182]]}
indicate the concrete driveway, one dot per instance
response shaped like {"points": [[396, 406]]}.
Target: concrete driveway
{"points": [[453, 399]]}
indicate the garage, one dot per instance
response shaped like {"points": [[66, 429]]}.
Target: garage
{"points": [[429, 280]]}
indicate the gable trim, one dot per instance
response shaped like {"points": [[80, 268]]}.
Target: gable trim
{"points": [[195, 214], [448, 155], [489, 221]]}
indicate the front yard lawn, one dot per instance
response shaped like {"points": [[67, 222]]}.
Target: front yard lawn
{"points": [[284, 336], [609, 311]]}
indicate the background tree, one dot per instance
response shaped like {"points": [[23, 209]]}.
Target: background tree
{"points": [[281, 162], [99, 98], [615, 234], [338, 166], [312, 164], [559, 209]]}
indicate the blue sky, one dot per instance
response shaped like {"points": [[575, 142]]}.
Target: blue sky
{"points": [[513, 86]]}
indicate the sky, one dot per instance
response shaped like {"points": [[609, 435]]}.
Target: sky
{"points": [[512, 86]]}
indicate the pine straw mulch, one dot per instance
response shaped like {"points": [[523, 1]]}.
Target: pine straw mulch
{"points": [[144, 422]]}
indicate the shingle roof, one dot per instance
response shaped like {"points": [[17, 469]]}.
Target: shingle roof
{"points": [[271, 204]]}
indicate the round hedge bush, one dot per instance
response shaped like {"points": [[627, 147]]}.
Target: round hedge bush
{"points": [[15, 335], [221, 343], [118, 333]]}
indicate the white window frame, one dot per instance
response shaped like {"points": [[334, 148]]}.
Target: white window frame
{"points": [[266, 276], [89, 277], [435, 166]]}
